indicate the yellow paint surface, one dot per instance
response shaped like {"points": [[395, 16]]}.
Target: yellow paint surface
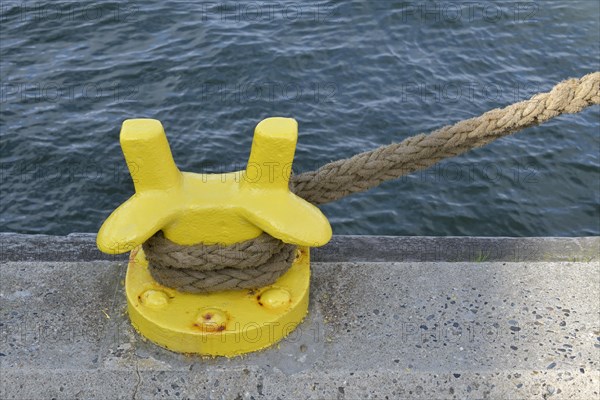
{"points": [[211, 208], [225, 323]]}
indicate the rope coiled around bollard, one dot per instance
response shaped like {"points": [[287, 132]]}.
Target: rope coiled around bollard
{"points": [[260, 261], [206, 268]]}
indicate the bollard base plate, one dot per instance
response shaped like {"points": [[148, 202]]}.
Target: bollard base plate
{"points": [[225, 323]]}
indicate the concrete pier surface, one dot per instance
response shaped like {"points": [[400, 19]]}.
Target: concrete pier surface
{"points": [[389, 318]]}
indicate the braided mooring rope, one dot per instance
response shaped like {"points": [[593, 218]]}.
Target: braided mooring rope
{"points": [[207, 268], [259, 262]]}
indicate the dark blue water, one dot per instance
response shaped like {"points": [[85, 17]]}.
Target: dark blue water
{"points": [[355, 74]]}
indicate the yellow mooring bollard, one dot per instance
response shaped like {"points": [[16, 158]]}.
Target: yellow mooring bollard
{"points": [[221, 209]]}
